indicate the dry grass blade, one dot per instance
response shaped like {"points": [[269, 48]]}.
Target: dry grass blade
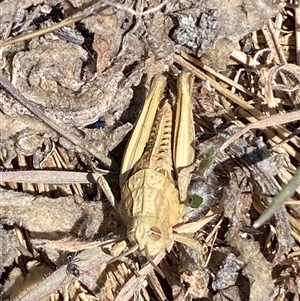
{"points": [[40, 32], [266, 122], [48, 177], [280, 78]]}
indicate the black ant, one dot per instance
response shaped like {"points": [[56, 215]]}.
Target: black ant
{"points": [[72, 268]]}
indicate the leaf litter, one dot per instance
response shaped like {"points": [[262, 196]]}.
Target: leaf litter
{"points": [[99, 69]]}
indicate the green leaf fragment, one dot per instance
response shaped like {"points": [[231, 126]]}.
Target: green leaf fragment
{"points": [[206, 158], [195, 201]]}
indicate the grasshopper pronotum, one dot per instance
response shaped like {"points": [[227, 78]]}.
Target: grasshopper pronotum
{"points": [[155, 170]]}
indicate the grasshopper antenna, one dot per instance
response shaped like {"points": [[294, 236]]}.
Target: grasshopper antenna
{"points": [[124, 254]]}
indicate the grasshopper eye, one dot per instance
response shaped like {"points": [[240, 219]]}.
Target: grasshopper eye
{"points": [[154, 233]]}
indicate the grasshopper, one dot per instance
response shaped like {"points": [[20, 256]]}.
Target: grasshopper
{"points": [[155, 171]]}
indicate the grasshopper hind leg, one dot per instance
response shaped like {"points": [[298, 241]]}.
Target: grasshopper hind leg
{"points": [[190, 242]]}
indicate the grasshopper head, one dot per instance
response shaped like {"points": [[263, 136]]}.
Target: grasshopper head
{"points": [[150, 234]]}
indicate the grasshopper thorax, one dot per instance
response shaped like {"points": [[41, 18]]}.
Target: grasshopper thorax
{"points": [[151, 235]]}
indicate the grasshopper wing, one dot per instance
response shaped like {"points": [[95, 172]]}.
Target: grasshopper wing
{"points": [[141, 132], [184, 133]]}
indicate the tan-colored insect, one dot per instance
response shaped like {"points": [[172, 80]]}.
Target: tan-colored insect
{"points": [[155, 170]]}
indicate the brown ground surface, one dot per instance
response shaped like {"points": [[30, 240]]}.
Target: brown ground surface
{"points": [[90, 77]]}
